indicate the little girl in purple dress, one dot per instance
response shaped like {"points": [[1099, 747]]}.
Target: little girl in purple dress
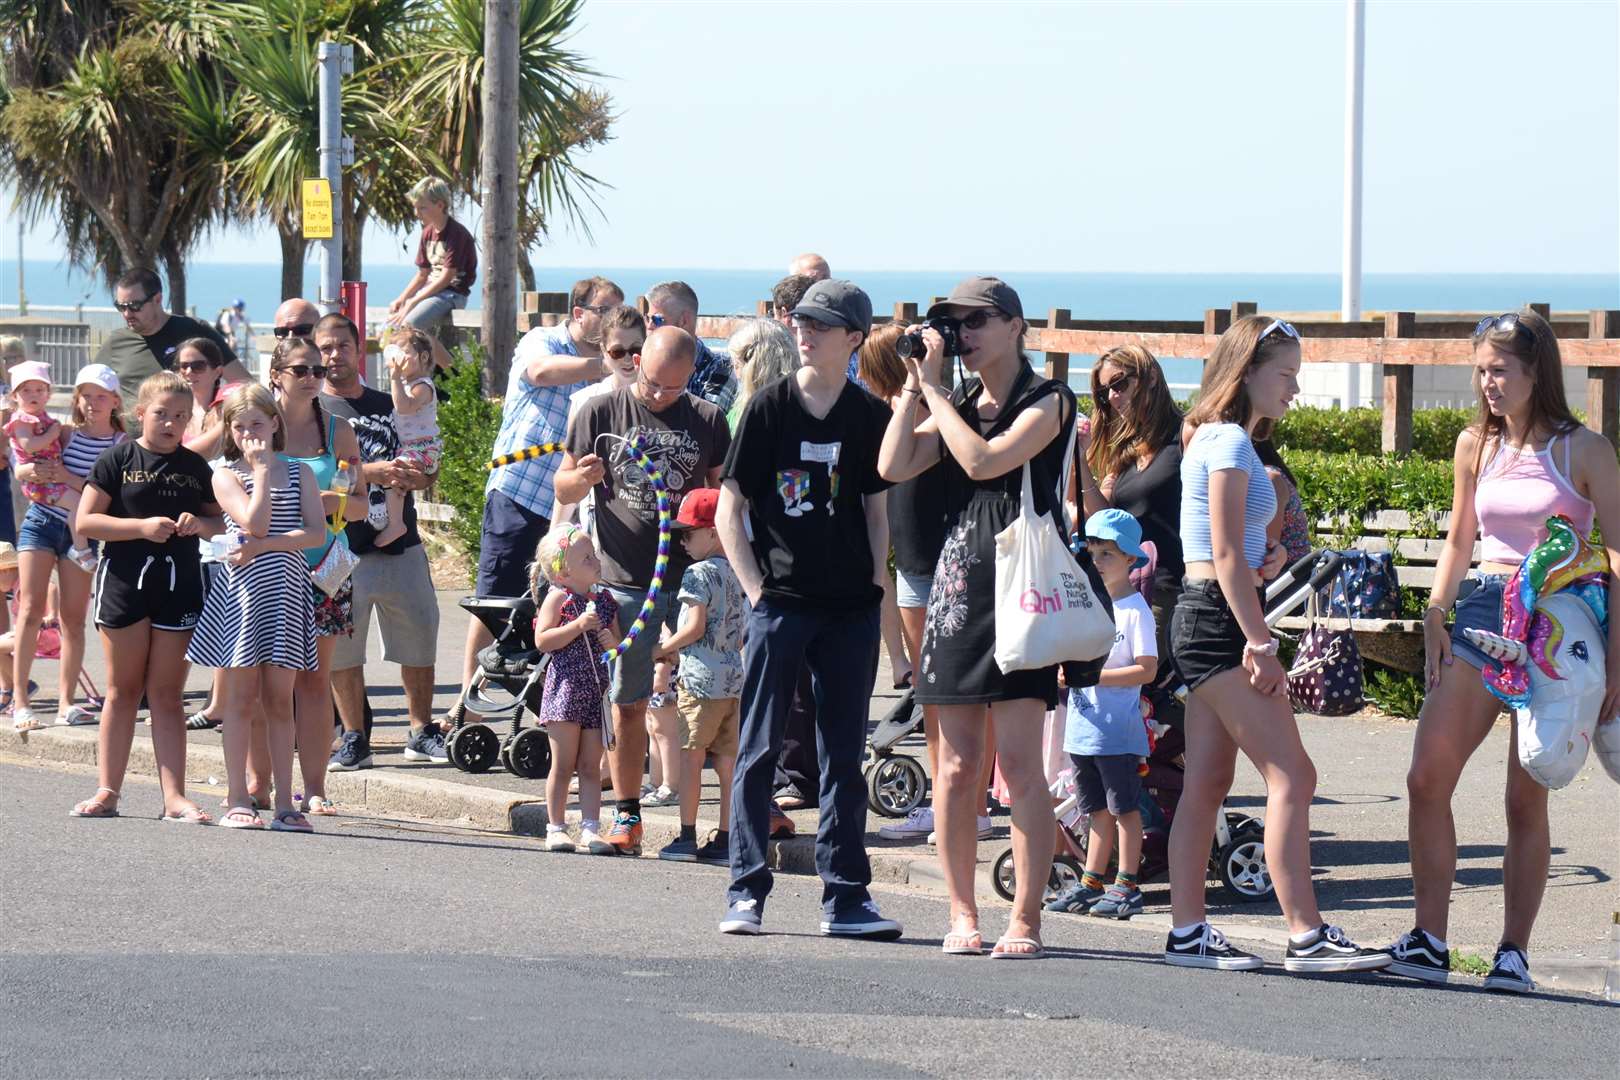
{"points": [[576, 624]]}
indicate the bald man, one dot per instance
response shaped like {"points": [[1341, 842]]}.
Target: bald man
{"points": [[687, 438], [812, 266]]}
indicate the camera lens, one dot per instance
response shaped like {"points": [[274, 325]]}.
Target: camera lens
{"points": [[910, 346]]}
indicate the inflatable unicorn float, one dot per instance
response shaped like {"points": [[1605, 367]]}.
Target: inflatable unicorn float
{"points": [[1551, 656]]}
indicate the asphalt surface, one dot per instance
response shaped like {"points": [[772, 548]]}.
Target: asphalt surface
{"points": [[392, 948]]}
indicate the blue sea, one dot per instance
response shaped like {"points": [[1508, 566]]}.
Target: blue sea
{"points": [[212, 286]]}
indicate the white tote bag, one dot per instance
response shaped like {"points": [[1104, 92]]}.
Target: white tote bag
{"points": [[1046, 612]]}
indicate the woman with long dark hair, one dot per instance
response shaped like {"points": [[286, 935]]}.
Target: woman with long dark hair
{"points": [[1523, 459]]}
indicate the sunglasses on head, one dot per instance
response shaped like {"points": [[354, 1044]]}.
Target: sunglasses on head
{"points": [[302, 329], [304, 371], [1506, 323], [1279, 326], [129, 307]]}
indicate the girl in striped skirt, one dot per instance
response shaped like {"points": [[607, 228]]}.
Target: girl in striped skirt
{"points": [[258, 623]]}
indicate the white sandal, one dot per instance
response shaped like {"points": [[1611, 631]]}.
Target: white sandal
{"points": [[97, 809]]}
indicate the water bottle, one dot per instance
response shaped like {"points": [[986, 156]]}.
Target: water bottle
{"points": [[342, 479], [1611, 974]]}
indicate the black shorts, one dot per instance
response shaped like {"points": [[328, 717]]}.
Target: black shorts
{"points": [[1205, 637], [1107, 782], [167, 589]]}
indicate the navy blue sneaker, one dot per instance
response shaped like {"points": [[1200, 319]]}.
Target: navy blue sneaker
{"points": [[354, 753], [742, 917], [1117, 903], [427, 744], [1076, 899], [1510, 971], [862, 922]]}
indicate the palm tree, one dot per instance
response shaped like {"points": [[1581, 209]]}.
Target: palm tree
{"points": [[559, 113]]}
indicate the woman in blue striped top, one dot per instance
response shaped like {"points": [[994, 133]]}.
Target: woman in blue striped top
{"points": [[1228, 658]]}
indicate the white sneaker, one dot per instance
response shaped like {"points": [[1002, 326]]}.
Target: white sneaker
{"points": [[557, 839], [662, 797], [920, 822], [984, 830]]}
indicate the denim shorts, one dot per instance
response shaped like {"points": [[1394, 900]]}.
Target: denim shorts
{"points": [[43, 531], [1205, 638], [1480, 609], [911, 590], [435, 309]]}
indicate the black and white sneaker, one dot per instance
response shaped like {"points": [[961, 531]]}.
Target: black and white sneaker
{"points": [[1419, 955], [1206, 947], [1510, 971], [1330, 949]]}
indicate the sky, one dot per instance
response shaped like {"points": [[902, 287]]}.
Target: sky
{"points": [[1067, 136]]}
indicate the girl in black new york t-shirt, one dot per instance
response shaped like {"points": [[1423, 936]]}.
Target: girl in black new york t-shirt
{"points": [[148, 500]]}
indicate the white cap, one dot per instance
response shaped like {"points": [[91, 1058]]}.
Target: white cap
{"points": [[29, 371], [97, 375]]}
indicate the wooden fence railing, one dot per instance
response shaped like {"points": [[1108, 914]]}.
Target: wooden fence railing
{"points": [[1401, 343]]}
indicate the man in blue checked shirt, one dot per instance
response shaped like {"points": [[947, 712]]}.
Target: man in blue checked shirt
{"points": [[673, 303], [550, 363]]}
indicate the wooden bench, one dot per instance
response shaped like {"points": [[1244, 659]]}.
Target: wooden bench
{"points": [[1396, 643]]}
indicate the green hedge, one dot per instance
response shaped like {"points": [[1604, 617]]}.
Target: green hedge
{"points": [[1360, 431], [468, 421]]}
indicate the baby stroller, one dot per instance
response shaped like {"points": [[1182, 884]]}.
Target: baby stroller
{"points": [[1237, 856], [510, 676], [896, 784]]}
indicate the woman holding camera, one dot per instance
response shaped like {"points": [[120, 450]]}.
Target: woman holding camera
{"points": [[983, 435]]}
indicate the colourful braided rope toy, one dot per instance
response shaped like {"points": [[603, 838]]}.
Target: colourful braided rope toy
{"points": [[655, 476]]}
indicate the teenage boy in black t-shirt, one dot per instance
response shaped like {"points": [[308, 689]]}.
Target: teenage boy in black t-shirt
{"points": [[802, 469]]}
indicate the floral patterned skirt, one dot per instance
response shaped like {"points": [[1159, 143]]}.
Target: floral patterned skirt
{"points": [[959, 631], [334, 615]]}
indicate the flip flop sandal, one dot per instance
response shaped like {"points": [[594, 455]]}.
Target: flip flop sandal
{"points": [[190, 816], [241, 817], [25, 719], [1037, 950], [90, 808], [967, 943], [291, 821]]}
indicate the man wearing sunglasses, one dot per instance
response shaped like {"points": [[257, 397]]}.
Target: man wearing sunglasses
{"points": [[687, 438], [549, 365], [147, 343], [673, 303]]}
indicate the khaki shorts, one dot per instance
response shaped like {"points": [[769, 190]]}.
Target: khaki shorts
{"points": [[711, 723]]}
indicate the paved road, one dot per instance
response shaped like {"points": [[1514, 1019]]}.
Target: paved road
{"points": [[391, 948]]}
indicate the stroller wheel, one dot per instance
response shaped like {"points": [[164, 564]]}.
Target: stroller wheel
{"points": [[506, 754], [529, 754], [1242, 866], [1237, 822], [1066, 871], [1001, 876], [474, 748], [895, 785]]}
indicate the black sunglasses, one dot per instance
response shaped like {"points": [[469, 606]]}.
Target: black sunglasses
{"points": [[1507, 323], [193, 365], [302, 329], [1117, 386], [129, 307], [300, 371], [617, 353], [977, 319]]}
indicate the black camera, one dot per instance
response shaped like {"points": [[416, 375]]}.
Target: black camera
{"points": [[911, 347]]}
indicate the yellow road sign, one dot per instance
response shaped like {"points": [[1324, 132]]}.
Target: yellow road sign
{"points": [[317, 210]]}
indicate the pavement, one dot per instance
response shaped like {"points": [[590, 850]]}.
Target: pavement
{"points": [[1358, 821], [385, 947]]}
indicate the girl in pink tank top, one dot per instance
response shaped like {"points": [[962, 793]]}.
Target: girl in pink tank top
{"points": [[1505, 491]]}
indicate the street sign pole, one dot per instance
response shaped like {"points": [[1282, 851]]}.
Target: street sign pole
{"points": [[336, 151]]}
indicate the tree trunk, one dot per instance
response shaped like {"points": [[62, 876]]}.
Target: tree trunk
{"points": [[526, 272], [292, 259], [498, 176], [174, 268], [354, 230]]}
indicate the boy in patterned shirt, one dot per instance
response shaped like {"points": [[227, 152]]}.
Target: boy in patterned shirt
{"points": [[709, 640]]}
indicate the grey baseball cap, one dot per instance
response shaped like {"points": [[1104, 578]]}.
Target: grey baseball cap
{"points": [[982, 292], [840, 303]]}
